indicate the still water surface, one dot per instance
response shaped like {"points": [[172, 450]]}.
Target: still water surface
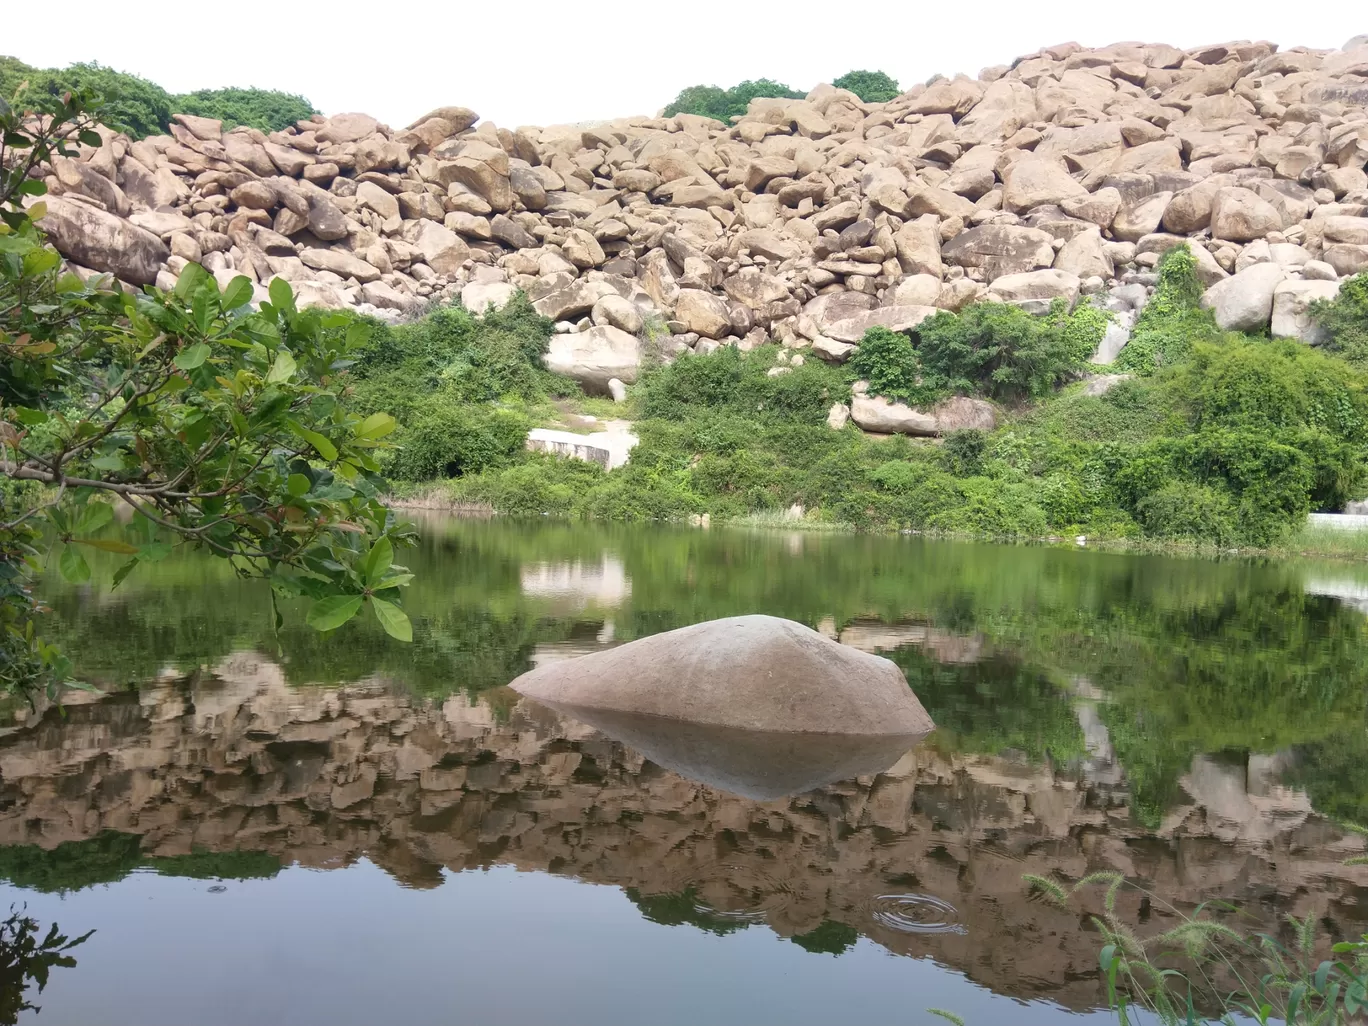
{"points": [[344, 830]]}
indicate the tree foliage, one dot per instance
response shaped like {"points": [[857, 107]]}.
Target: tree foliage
{"points": [[723, 104], [869, 86], [209, 413], [1345, 319], [267, 109], [140, 108]]}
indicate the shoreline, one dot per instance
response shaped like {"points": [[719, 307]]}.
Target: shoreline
{"points": [[1355, 549]]}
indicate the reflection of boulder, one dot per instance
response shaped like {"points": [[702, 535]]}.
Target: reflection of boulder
{"points": [[605, 584], [760, 764], [944, 647], [750, 672]]}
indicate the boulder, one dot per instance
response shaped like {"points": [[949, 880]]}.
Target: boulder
{"points": [[595, 357], [1036, 182], [442, 249], [339, 262], [1241, 215], [1000, 249], [479, 297], [574, 299], [895, 318], [1292, 309], [702, 312], [1244, 301], [1085, 255], [619, 312], [885, 416], [832, 351], [100, 240], [1036, 291], [756, 673]]}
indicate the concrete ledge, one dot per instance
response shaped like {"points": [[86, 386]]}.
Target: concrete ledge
{"points": [[609, 449], [1339, 521]]}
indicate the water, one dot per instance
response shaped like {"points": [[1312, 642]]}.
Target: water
{"points": [[344, 830]]}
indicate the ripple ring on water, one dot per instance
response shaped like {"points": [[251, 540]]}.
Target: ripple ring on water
{"points": [[916, 913]]}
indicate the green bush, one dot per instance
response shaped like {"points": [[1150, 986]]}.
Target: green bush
{"points": [[890, 363], [1172, 320], [457, 356], [459, 440], [267, 109], [139, 107], [999, 350], [869, 86], [1345, 319], [724, 104], [1183, 509], [739, 383]]}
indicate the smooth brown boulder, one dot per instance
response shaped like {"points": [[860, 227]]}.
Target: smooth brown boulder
{"points": [[757, 673], [99, 240]]}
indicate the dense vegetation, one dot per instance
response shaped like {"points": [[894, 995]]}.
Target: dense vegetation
{"points": [[1218, 438], [143, 108], [712, 101]]}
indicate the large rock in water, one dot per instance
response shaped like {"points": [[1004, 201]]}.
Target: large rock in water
{"points": [[755, 673]]}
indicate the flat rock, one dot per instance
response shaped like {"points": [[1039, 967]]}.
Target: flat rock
{"points": [[755, 673]]}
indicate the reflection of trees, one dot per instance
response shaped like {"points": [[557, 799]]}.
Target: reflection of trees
{"points": [[27, 956], [1190, 657], [111, 855]]}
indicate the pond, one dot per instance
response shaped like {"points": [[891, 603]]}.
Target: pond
{"points": [[342, 829]]}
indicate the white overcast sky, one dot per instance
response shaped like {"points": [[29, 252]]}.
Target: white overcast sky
{"points": [[530, 62]]}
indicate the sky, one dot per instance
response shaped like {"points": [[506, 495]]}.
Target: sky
{"points": [[530, 62]]}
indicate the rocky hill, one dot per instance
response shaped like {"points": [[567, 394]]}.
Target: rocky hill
{"points": [[1065, 174]]}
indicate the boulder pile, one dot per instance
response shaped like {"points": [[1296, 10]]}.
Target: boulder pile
{"points": [[1064, 174]]}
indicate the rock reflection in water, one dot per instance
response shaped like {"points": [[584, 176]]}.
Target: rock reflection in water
{"points": [[322, 776], [763, 765]]}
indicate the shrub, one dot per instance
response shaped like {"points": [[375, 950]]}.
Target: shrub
{"points": [[724, 104], [1345, 319], [1172, 320], [738, 383], [474, 360], [890, 363], [869, 86], [996, 349], [454, 441], [267, 109], [1268, 386], [1185, 510]]}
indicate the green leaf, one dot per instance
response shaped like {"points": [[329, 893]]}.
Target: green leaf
{"points": [[393, 619], [90, 138], [377, 425], [332, 612], [282, 296], [123, 572], [27, 417], [108, 545], [392, 581], [192, 356], [191, 275], [96, 515], [325, 448], [377, 561], [238, 292], [283, 369], [154, 552], [298, 484], [73, 566]]}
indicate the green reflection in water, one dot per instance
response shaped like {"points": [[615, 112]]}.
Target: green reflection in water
{"points": [[1183, 657]]}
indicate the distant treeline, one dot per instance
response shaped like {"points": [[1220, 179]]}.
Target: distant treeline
{"points": [[711, 101], [145, 108]]}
